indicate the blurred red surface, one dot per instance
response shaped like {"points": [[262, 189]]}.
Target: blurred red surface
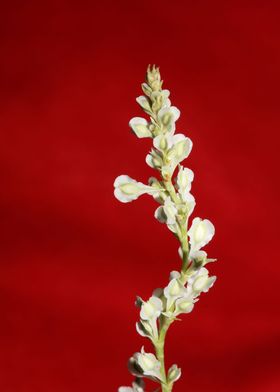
{"points": [[72, 257]]}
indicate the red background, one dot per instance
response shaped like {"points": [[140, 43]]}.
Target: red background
{"points": [[72, 257]]}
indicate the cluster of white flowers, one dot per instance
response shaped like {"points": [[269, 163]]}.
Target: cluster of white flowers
{"points": [[176, 206]]}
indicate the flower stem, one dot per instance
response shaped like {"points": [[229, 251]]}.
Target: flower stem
{"points": [[159, 348], [166, 322]]}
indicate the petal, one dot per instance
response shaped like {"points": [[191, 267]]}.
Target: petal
{"points": [[140, 127], [184, 305], [174, 373], [144, 103], [127, 189], [168, 116], [166, 93], [184, 179], [122, 179], [160, 215], [134, 367], [170, 211], [200, 233], [162, 142], [181, 148], [144, 329], [174, 275], [154, 160], [189, 201], [156, 302], [146, 89]]}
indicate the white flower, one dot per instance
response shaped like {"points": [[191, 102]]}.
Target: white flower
{"points": [[166, 101], [149, 364], [170, 151], [154, 160], [150, 311], [184, 305], [184, 180], [144, 103], [163, 142], [200, 233], [173, 291], [200, 282], [137, 386], [160, 100], [127, 189], [168, 116], [189, 201], [181, 149], [200, 258], [145, 329], [140, 127], [167, 213]]}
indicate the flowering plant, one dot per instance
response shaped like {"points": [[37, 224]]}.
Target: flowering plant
{"points": [[176, 205]]}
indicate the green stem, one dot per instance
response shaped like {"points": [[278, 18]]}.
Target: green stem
{"points": [[166, 322], [182, 223], [159, 348]]}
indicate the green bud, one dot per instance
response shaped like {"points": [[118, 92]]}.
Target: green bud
{"points": [[174, 373]]}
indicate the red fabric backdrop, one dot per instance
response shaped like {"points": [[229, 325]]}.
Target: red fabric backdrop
{"points": [[72, 257]]}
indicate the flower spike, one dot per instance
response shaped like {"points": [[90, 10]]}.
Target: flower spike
{"points": [[175, 205]]}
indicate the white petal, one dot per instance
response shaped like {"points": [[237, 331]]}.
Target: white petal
{"points": [[200, 282], [173, 291], [189, 200], [160, 215], [200, 233], [170, 211], [154, 160], [162, 142], [184, 305], [151, 309], [127, 189], [140, 127], [181, 148], [173, 228], [144, 103], [166, 93], [168, 116], [122, 179], [149, 364], [174, 275], [184, 179]]}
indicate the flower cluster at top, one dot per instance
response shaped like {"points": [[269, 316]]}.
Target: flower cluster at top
{"points": [[176, 206]]}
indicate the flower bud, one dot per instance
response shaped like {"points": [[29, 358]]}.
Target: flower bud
{"points": [[153, 74], [149, 364], [146, 89], [144, 103], [174, 373]]}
